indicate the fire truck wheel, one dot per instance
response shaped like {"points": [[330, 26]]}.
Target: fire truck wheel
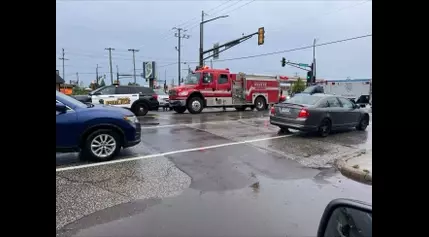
{"points": [[260, 103], [195, 105], [180, 110]]}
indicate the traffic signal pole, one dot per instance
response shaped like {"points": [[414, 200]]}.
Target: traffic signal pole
{"points": [[313, 80]]}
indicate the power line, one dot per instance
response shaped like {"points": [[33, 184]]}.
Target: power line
{"points": [[197, 18], [121, 57], [273, 53], [168, 36], [220, 11], [294, 49]]}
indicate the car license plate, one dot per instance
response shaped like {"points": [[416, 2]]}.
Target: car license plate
{"points": [[285, 110]]}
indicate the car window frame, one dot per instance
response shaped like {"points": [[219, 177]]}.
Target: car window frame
{"points": [[107, 87], [68, 107], [334, 98], [211, 77], [323, 101], [225, 77], [130, 91], [141, 90], [345, 99]]}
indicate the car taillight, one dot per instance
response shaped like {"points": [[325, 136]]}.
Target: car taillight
{"points": [[155, 96], [273, 111], [303, 113]]}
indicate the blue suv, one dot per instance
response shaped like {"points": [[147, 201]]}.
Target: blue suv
{"points": [[97, 131]]}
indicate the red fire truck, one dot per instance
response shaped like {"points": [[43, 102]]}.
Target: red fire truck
{"points": [[211, 88]]}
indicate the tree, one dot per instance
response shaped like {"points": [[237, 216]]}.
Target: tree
{"points": [[298, 86], [102, 83]]}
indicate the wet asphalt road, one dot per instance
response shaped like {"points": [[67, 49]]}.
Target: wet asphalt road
{"points": [[243, 178]]}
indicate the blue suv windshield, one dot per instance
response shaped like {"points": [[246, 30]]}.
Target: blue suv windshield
{"points": [[69, 101]]}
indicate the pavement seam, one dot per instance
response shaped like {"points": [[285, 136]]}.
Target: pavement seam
{"points": [[203, 123]]}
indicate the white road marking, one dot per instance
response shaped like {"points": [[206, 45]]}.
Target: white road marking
{"points": [[191, 124], [169, 153]]}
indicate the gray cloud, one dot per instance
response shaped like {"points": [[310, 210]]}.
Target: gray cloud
{"points": [[85, 28]]}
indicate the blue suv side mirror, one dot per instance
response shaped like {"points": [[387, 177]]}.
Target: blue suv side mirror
{"points": [[345, 217]]}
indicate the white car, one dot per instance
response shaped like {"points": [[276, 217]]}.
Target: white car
{"points": [[163, 99]]}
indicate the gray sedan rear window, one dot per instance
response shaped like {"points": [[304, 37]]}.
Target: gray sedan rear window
{"points": [[304, 99]]}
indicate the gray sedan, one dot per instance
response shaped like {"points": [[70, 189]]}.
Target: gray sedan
{"points": [[319, 113]]}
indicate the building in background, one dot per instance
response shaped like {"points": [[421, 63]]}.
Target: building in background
{"points": [[60, 81]]}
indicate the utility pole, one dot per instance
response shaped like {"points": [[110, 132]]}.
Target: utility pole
{"points": [[77, 78], [201, 51], [179, 36], [117, 74], [96, 75], [134, 63], [201, 40], [63, 58], [211, 63], [110, 63], [314, 60]]}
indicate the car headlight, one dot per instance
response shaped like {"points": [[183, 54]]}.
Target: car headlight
{"points": [[183, 93], [131, 119]]}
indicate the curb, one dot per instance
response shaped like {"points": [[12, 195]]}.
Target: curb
{"points": [[353, 173]]}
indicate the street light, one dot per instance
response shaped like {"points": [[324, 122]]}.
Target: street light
{"points": [[202, 33]]}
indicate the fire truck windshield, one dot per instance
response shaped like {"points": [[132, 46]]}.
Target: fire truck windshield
{"points": [[192, 78]]}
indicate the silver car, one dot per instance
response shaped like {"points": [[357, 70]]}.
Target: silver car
{"points": [[163, 100], [320, 113]]}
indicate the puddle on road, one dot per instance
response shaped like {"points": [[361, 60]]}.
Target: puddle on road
{"points": [[268, 208]]}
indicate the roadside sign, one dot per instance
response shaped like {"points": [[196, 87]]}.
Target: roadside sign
{"points": [[303, 65]]}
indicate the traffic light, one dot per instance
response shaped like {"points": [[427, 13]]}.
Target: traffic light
{"points": [[309, 76], [261, 36], [283, 62]]}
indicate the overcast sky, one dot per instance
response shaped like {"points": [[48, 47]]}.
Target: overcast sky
{"points": [[85, 28]]}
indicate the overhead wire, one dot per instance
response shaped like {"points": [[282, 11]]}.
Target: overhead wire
{"points": [[294, 49], [286, 50], [169, 35], [220, 12]]}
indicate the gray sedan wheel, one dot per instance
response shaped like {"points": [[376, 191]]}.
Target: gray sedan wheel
{"points": [[324, 128]]}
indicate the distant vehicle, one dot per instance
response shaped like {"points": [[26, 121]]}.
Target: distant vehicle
{"points": [[97, 131], [318, 112], [356, 89], [163, 99], [211, 88], [138, 99]]}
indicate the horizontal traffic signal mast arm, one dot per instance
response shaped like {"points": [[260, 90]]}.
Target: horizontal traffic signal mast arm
{"points": [[229, 44]]}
